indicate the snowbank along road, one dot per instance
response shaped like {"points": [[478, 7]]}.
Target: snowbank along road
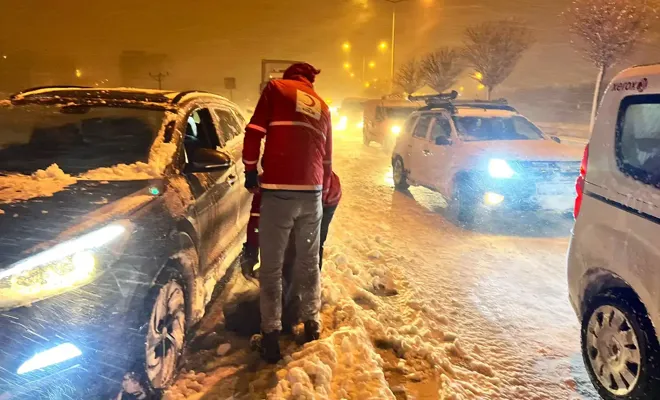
{"points": [[414, 307]]}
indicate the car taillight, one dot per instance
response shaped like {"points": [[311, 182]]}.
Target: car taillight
{"points": [[579, 184]]}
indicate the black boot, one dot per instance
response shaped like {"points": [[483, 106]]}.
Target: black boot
{"points": [[312, 331], [270, 347]]}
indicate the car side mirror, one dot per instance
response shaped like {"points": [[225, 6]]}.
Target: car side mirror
{"points": [[556, 139], [443, 141], [208, 160]]}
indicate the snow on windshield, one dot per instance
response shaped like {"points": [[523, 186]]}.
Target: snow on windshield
{"points": [[483, 128], [62, 156]]}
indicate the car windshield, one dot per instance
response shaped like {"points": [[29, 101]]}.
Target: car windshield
{"points": [[77, 140], [477, 128]]}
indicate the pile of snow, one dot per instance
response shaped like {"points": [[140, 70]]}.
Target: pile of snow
{"points": [[42, 183], [123, 172], [343, 365], [357, 316], [160, 157]]}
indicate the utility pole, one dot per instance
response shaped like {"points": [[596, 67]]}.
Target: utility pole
{"points": [[159, 77], [394, 3]]}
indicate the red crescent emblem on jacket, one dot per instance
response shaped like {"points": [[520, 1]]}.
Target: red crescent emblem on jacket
{"points": [[311, 99]]}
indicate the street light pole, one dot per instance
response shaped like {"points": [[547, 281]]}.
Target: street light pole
{"points": [[394, 3]]}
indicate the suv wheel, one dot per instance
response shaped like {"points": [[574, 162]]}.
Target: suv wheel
{"points": [[619, 348], [399, 174], [166, 331]]}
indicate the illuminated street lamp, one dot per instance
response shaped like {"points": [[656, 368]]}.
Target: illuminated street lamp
{"points": [[382, 46], [78, 73], [478, 76], [372, 64], [367, 85], [352, 75], [346, 46], [347, 66]]}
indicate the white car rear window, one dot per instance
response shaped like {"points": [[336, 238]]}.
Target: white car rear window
{"points": [[638, 138]]}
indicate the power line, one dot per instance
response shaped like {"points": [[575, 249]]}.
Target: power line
{"points": [[159, 77]]}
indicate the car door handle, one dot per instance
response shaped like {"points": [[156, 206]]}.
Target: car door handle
{"points": [[231, 179]]}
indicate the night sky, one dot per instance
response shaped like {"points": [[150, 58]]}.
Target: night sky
{"points": [[207, 40]]}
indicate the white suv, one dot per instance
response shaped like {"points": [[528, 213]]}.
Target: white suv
{"points": [[484, 154], [614, 259]]}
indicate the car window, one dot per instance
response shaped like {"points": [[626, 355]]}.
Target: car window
{"points": [[35, 137], [478, 128], [422, 126], [407, 128], [638, 138], [441, 127], [399, 112], [200, 131], [380, 114], [229, 125]]}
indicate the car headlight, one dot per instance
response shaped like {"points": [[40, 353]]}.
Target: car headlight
{"points": [[341, 125], [63, 267], [498, 168], [396, 130]]}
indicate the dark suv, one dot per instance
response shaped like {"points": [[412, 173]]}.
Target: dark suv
{"points": [[119, 211]]}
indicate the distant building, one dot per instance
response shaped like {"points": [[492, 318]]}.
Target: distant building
{"points": [[24, 69], [135, 68]]}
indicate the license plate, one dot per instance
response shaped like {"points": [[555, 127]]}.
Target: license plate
{"points": [[553, 189]]}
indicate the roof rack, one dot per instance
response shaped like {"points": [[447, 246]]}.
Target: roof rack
{"points": [[33, 89], [499, 104], [448, 102], [436, 101]]}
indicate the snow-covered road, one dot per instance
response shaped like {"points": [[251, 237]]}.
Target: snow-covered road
{"points": [[478, 314], [502, 286]]}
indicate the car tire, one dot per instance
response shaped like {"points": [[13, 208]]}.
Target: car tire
{"points": [[631, 348], [165, 313], [399, 174]]}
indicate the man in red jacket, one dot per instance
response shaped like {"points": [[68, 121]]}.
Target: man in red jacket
{"points": [[250, 255], [297, 165]]}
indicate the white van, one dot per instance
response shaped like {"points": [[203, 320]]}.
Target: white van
{"points": [[614, 255]]}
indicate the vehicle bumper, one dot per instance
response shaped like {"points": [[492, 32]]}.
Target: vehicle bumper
{"points": [[101, 320], [525, 194], [574, 271]]}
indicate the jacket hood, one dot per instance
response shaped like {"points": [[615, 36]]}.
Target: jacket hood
{"points": [[301, 72]]}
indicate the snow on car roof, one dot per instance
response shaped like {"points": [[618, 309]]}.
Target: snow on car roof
{"points": [[480, 112], [63, 94]]}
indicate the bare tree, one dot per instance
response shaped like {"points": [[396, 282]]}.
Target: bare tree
{"points": [[607, 31], [409, 77], [441, 68], [494, 48]]}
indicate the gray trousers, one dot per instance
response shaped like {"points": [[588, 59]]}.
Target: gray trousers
{"points": [[282, 212]]}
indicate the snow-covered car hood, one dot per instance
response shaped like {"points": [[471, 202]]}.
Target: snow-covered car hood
{"points": [[35, 224], [524, 150]]}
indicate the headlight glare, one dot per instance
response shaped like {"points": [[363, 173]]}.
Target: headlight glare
{"points": [[500, 169], [65, 266], [396, 130]]}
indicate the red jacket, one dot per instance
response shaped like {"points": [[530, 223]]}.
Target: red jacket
{"points": [[297, 127], [330, 198]]}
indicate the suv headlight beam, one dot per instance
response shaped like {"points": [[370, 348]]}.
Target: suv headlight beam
{"points": [[500, 169], [63, 267]]}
